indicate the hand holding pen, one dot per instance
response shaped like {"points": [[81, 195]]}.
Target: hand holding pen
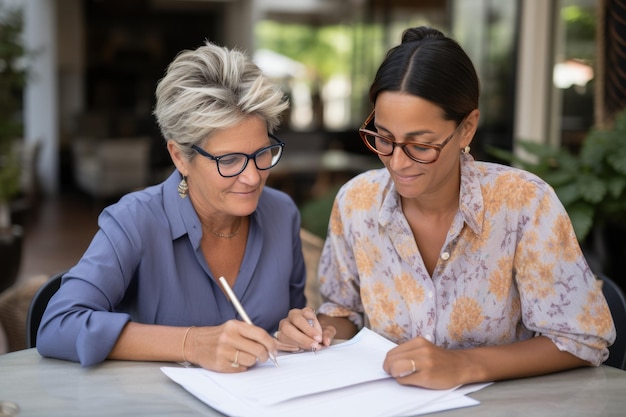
{"points": [[236, 363], [303, 329], [233, 346]]}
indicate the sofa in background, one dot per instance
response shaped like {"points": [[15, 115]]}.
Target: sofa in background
{"points": [[108, 168]]}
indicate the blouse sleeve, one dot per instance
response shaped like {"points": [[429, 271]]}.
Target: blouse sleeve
{"points": [[79, 324], [560, 297], [338, 275]]}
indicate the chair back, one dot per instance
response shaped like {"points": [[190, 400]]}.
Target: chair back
{"points": [[38, 305], [312, 246], [617, 303]]}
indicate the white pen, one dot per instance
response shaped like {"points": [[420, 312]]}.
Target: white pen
{"points": [[233, 299], [311, 324]]}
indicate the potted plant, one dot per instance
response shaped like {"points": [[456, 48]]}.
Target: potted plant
{"points": [[592, 187], [12, 79]]}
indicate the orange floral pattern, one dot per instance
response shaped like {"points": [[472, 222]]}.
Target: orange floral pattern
{"points": [[510, 268]]}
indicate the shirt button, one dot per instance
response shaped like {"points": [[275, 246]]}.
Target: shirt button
{"points": [[445, 256], [430, 294]]}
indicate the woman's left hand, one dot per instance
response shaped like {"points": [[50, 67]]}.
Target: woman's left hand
{"points": [[421, 363]]}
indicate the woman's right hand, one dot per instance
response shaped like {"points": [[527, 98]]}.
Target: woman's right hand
{"points": [[233, 346]]}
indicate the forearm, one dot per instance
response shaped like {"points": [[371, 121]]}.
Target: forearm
{"points": [[536, 356], [143, 342]]}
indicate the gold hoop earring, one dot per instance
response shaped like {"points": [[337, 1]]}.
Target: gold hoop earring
{"points": [[183, 188]]}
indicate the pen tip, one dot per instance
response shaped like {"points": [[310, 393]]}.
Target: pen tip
{"points": [[273, 359]]}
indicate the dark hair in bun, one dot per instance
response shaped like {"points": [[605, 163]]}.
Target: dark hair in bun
{"points": [[421, 33], [432, 66]]}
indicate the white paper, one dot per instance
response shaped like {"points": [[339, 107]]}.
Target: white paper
{"points": [[355, 361], [340, 380]]}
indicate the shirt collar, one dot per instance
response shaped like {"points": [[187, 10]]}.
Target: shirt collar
{"points": [[471, 204], [183, 217], [180, 212]]}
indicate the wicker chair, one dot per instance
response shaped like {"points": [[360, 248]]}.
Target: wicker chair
{"points": [[311, 249], [14, 303]]}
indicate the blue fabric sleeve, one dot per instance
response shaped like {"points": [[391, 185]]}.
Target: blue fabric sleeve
{"points": [[145, 264]]}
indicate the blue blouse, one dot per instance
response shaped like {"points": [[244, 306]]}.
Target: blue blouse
{"points": [[145, 264]]}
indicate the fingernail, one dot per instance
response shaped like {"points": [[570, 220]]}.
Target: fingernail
{"points": [[403, 374]]}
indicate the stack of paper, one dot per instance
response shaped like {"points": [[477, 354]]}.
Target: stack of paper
{"points": [[340, 380]]}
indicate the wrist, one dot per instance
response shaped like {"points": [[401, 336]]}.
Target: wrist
{"points": [[184, 349], [474, 369]]}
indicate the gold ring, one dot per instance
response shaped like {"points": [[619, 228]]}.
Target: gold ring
{"points": [[413, 365], [235, 363]]}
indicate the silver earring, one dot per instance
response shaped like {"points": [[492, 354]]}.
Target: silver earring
{"points": [[466, 149], [183, 188]]}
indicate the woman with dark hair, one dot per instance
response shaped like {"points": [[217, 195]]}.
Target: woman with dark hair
{"points": [[473, 268]]}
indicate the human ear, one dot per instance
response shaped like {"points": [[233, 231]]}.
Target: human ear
{"points": [[468, 130], [178, 157]]}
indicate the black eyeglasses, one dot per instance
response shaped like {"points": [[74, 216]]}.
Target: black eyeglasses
{"points": [[233, 164], [424, 153]]}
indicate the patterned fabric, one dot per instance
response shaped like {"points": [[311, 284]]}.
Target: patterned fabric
{"points": [[510, 268]]}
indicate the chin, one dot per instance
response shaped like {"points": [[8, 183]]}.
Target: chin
{"points": [[244, 208], [407, 191]]}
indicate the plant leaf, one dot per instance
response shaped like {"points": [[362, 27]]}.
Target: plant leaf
{"points": [[568, 194], [616, 186], [581, 216], [591, 188], [617, 160]]}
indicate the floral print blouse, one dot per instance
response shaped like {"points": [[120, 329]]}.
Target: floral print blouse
{"points": [[510, 268]]}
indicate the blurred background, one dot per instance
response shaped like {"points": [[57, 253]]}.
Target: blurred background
{"points": [[94, 64], [84, 74]]}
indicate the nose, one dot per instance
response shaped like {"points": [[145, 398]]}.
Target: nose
{"points": [[250, 175], [398, 159]]}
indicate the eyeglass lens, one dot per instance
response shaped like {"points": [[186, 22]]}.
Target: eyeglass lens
{"points": [[385, 147], [233, 164]]}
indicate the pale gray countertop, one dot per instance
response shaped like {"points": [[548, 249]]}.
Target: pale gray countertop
{"points": [[49, 387]]}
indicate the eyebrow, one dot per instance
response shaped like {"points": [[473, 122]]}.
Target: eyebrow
{"points": [[239, 152], [413, 133]]}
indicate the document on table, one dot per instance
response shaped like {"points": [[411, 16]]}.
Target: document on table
{"points": [[342, 378]]}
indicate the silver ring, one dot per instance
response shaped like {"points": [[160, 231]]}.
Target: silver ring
{"points": [[9, 408], [413, 365], [235, 363]]}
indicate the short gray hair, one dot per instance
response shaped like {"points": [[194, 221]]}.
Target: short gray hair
{"points": [[212, 88]]}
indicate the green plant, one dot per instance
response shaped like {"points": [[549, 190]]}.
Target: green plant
{"points": [[9, 172], [591, 184], [316, 212], [12, 80]]}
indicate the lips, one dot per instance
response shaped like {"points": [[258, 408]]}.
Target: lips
{"points": [[249, 193], [405, 178]]}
